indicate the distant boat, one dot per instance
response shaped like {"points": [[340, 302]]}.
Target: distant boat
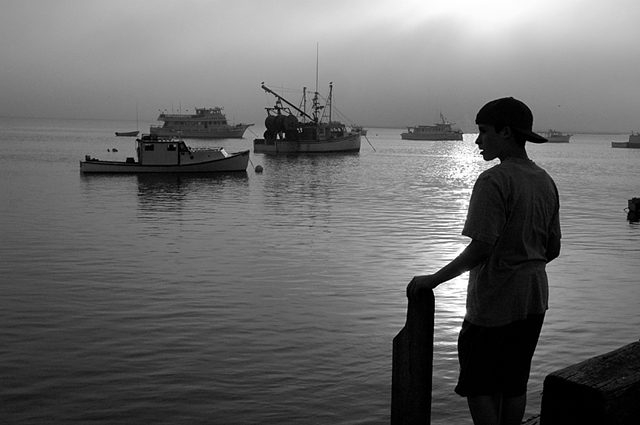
{"points": [[360, 129], [130, 133], [207, 123], [633, 143], [554, 136], [156, 155], [127, 133], [292, 130], [439, 131]]}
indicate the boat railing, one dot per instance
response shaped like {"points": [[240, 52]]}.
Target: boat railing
{"points": [[212, 148]]}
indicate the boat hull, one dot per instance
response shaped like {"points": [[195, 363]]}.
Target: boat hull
{"points": [[227, 132], [127, 133], [628, 145], [235, 162], [349, 143], [438, 136], [559, 139]]}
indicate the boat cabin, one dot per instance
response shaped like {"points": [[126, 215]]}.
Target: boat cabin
{"points": [[156, 151]]}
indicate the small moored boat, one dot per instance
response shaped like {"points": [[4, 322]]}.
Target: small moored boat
{"points": [[156, 155], [632, 143], [130, 133], [299, 132], [127, 133], [439, 131]]}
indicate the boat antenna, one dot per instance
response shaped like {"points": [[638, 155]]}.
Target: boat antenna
{"points": [[316, 107], [317, 56]]}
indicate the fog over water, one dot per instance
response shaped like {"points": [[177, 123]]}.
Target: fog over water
{"points": [[393, 64]]}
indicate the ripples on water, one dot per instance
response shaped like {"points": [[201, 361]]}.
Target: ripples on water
{"points": [[273, 297]]}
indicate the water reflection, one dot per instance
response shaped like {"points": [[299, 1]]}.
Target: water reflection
{"points": [[278, 286]]}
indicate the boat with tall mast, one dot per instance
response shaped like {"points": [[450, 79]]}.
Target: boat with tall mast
{"points": [[290, 129]]}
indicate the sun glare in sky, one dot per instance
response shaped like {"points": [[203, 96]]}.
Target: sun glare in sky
{"points": [[79, 58], [489, 15]]}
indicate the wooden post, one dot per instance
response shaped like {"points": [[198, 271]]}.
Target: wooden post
{"points": [[633, 215], [604, 390], [412, 365]]}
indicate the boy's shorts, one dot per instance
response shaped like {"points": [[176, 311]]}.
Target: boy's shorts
{"points": [[497, 359]]}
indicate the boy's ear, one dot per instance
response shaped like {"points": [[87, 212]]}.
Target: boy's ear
{"points": [[506, 132]]}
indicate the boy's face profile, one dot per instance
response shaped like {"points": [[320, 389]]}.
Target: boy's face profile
{"points": [[490, 142]]}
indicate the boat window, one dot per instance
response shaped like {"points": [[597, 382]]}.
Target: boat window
{"points": [[148, 147], [171, 147]]}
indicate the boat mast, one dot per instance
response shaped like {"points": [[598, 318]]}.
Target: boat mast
{"points": [[304, 100], [329, 100], [315, 95]]}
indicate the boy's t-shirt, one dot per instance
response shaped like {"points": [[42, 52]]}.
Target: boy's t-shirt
{"points": [[515, 206]]}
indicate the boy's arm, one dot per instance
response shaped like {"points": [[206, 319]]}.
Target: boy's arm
{"points": [[553, 246], [474, 254]]}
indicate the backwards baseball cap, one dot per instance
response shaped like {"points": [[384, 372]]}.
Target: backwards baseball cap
{"points": [[509, 112]]}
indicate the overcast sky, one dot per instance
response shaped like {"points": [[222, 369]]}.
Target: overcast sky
{"points": [[576, 63]]}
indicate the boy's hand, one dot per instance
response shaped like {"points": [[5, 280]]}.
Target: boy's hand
{"points": [[419, 284]]}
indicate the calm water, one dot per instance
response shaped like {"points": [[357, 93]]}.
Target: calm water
{"points": [[273, 297]]}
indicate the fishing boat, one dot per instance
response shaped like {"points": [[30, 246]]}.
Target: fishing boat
{"points": [[439, 131], [554, 136], [158, 155], [291, 129], [127, 133], [207, 123], [632, 143]]}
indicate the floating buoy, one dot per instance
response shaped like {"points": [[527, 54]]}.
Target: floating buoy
{"points": [[258, 168]]}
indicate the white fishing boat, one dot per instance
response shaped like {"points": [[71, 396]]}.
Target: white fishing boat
{"points": [[632, 143], [291, 129], [207, 123], [158, 155], [440, 131], [554, 136]]}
